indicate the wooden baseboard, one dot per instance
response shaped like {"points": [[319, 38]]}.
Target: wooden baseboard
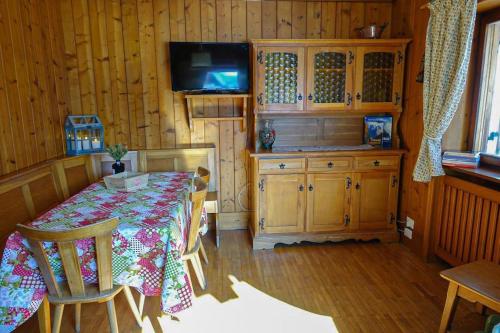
{"points": [[234, 221], [269, 241]]}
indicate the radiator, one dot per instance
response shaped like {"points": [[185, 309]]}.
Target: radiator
{"points": [[467, 222]]}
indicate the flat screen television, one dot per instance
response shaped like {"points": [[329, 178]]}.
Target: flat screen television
{"points": [[209, 68]]}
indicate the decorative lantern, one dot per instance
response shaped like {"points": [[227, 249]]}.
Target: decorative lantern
{"points": [[84, 135]]}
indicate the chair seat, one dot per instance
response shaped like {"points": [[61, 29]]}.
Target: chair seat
{"points": [[92, 294]]}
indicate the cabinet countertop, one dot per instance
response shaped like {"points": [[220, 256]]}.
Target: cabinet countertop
{"points": [[367, 152]]}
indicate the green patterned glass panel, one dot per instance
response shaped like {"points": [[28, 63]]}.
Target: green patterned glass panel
{"points": [[281, 78], [378, 77], [329, 77]]}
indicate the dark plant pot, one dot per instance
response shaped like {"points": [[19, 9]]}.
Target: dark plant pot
{"points": [[118, 167]]}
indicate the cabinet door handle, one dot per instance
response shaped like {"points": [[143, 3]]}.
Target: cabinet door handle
{"points": [[376, 163], [310, 97], [299, 97], [351, 57], [358, 186], [311, 188], [349, 99], [259, 99], [397, 99], [347, 220], [358, 96], [301, 187], [330, 165], [400, 57], [260, 58], [391, 218], [394, 181], [282, 166], [348, 182]]}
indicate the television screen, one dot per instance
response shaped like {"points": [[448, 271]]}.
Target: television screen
{"points": [[209, 67]]}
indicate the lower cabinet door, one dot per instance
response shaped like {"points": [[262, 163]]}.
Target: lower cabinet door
{"points": [[374, 200], [282, 203], [328, 201]]}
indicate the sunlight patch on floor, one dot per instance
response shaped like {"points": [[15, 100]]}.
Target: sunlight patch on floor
{"points": [[252, 311]]}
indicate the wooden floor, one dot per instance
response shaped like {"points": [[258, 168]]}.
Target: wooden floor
{"points": [[352, 287]]}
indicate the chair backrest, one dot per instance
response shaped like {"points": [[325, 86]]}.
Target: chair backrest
{"points": [[197, 198], [26, 195], [74, 174], [204, 174], [101, 231], [185, 159]]}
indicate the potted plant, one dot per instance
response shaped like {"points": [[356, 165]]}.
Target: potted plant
{"points": [[117, 152]]}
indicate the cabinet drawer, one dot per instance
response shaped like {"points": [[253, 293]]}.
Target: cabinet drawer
{"points": [[329, 164], [376, 162], [282, 165]]}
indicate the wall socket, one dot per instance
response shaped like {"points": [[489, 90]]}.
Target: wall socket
{"points": [[410, 224], [408, 233]]}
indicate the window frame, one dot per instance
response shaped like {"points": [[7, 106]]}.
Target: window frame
{"points": [[482, 22]]}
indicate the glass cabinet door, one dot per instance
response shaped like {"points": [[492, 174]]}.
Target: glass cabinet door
{"points": [[329, 78], [378, 78], [280, 78]]}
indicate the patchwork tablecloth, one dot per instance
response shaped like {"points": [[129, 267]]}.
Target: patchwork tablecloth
{"points": [[147, 246]]}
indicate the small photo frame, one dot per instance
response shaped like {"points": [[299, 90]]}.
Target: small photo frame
{"points": [[378, 131]]}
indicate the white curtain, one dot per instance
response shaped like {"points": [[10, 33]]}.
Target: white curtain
{"points": [[447, 54]]}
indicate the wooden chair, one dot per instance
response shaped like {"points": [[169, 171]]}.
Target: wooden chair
{"points": [[74, 290], [191, 253], [477, 282], [211, 207]]}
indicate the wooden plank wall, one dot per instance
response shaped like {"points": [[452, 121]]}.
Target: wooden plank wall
{"points": [[118, 66], [34, 95]]}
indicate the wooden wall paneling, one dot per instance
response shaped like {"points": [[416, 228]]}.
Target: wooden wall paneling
{"points": [[269, 23], [328, 19], [71, 59], [117, 74], [40, 153], [313, 26], [100, 57], [149, 73], [23, 81], [44, 122], [239, 34], [193, 25], [284, 18], [133, 73], [13, 98], [343, 21], [165, 94], [178, 34], [53, 115], [84, 53], [299, 14], [61, 84], [357, 19]]}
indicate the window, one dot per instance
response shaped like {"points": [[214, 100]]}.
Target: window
{"points": [[486, 138]]}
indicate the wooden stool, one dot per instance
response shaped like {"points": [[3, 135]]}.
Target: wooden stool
{"points": [[477, 282]]}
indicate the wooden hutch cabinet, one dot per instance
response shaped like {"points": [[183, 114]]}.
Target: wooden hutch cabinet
{"points": [[319, 182]]}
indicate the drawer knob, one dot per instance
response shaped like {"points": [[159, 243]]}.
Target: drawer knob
{"points": [[376, 163], [311, 188], [301, 188], [330, 165], [282, 166]]}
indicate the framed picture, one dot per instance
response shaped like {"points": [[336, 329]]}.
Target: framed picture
{"points": [[378, 131]]}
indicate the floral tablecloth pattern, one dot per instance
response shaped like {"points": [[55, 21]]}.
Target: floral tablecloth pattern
{"points": [[147, 245]]}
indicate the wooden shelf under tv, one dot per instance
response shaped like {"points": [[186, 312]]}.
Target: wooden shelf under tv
{"points": [[242, 118]]}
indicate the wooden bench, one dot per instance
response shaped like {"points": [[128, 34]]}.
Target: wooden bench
{"points": [[477, 282]]}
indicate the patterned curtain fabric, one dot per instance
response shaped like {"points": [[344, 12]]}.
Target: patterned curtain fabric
{"points": [[447, 54]]}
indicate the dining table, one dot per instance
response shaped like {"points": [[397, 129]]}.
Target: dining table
{"points": [[147, 246]]}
